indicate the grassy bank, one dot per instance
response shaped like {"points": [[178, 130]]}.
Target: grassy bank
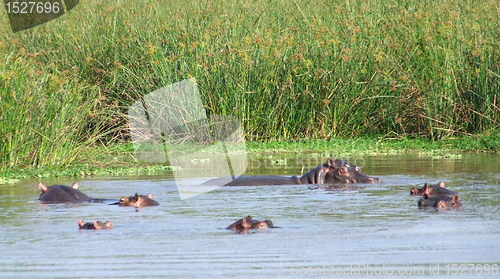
{"points": [[290, 70]]}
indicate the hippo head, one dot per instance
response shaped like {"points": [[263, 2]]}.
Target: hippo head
{"points": [[341, 171], [137, 201], [61, 193], [248, 223], [105, 225], [96, 225], [432, 190], [44, 188]]}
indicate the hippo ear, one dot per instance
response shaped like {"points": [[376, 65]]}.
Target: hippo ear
{"points": [[42, 187], [269, 223], [136, 196], [150, 196], [425, 196], [330, 162], [75, 185], [425, 189], [244, 223], [249, 217], [441, 184], [80, 223], [455, 198], [96, 225]]}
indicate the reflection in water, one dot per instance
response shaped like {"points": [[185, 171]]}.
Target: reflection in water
{"points": [[323, 228]]}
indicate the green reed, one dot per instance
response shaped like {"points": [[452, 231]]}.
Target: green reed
{"points": [[44, 118], [287, 69]]}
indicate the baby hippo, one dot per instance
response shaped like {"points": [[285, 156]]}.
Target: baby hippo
{"points": [[96, 225], [432, 190], [250, 224], [137, 201], [440, 201]]}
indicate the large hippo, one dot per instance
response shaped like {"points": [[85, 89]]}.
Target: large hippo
{"points": [[331, 172], [63, 194], [248, 223], [96, 225], [137, 201], [439, 201], [432, 190]]}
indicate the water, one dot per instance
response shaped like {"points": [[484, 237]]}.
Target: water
{"points": [[375, 230]]}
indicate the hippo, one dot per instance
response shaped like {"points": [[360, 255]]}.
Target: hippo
{"points": [[137, 201], [331, 172], [65, 194], [432, 190], [61, 193], [439, 201], [249, 223], [96, 225]]}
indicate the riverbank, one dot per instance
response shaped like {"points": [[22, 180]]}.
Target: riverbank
{"points": [[288, 71], [119, 159]]}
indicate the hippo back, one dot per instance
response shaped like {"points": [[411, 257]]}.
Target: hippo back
{"points": [[61, 194]]}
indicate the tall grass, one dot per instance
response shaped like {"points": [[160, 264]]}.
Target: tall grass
{"points": [[288, 69], [44, 118]]}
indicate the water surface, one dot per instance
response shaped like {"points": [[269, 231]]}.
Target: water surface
{"points": [[374, 230]]}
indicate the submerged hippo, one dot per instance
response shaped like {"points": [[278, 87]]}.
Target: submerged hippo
{"points": [[96, 225], [250, 224], [61, 193], [331, 172], [439, 201], [432, 190], [137, 201]]}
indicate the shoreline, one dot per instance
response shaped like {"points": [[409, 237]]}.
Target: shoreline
{"points": [[118, 159]]}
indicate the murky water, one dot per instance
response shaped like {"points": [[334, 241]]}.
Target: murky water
{"points": [[375, 230]]}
